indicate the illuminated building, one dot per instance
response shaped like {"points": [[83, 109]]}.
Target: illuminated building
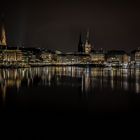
{"points": [[135, 58], [73, 58], [135, 55], [12, 56], [47, 56], [97, 57], [3, 41], [117, 58], [31, 54], [87, 45]]}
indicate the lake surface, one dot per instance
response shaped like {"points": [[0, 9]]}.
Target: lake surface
{"points": [[96, 92]]}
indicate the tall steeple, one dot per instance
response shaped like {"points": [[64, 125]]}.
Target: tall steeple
{"points": [[94, 40], [80, 45], [87, 47], [87, 36], [3, 41], [3, 37]]}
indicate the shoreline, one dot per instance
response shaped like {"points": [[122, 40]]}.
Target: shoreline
{"points": [[64, 65]]}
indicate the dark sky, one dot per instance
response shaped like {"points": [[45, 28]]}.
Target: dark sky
{"points": [[56, 24]]}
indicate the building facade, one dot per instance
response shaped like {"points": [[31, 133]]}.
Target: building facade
{"points": [[135, 55], [73, 58], [117, 58], [135, 58], [97, 57], [12, 56]]}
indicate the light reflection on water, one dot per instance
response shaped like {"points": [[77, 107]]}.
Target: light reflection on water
{"points": [[86, 78]]}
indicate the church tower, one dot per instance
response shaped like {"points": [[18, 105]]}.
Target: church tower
{"points": [[88, 46], [3, 41], [87, 36], [80, 45]]}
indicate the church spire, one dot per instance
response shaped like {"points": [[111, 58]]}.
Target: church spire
{"points": [[3, 41], [80, 45], [87, 46], [94, 39], [3, 36], [87, 36]]}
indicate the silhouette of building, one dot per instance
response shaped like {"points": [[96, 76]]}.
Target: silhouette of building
{"points": [[80, 45], [85, 47]]}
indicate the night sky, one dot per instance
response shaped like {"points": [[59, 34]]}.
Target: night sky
{"points": [[56, 24]]}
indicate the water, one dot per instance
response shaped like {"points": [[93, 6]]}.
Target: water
{"points": [[96, 92]]}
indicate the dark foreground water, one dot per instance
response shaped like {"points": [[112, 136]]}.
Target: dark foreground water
{"points": [[90, 92]]}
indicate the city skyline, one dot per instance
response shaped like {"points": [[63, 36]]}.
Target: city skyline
{"points": [[56, 25], [72, 58]]}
